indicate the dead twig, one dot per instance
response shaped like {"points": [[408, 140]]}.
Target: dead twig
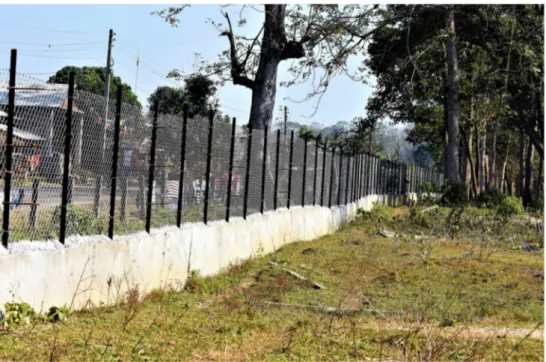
{"points": [[298, 276]]}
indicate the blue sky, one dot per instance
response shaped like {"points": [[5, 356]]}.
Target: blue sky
{"points": [[161, 48]]}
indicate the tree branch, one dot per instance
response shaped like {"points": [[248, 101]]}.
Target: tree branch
{"points": [[237, 70]]}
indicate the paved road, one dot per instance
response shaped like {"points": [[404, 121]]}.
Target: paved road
{"points": [[51, 195]]}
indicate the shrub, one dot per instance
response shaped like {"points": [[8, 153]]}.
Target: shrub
{"points": [[491, 198], [78, 220], [429, 187], [58, 314], [510, 206], [454, 192], [18, 314]]}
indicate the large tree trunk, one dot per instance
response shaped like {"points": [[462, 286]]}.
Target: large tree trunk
{"points": [[264, 92], [539, 182], [481, 162], [527, 192], [452, 149], [493, 160], [519, 188]]}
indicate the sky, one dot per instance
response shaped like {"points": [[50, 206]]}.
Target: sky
{"points": [[49, 37]]}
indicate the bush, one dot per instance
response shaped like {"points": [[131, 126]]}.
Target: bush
{"points": [[18, 314], [454, 192], [78, 220], [491, 198], [510, 206], [429, 187]]}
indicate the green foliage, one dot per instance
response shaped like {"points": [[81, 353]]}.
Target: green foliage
{"points": [[491, 198], [58, 314], [18, 314], [306, 132], [510, 206], [171, 100], [454, 192], [429, 187], [92, 79], [377, 213], [78, 220]]}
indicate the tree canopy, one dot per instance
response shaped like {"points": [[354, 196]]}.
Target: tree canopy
{"points": [[92, 79]]}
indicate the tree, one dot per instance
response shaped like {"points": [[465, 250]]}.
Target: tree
{"points": [[451, 170], [499, 51], [306, 133], [322, 37], [171, 100], [199, 90], [92, 79]]}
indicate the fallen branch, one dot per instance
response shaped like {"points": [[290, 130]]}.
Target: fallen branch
{"points": [[386, 233], [296, 275], [335, 310], [428, 209]]}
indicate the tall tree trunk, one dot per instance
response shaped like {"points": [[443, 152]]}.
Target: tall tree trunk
{"points": [[504, 163], [274, 48], [468, 144], [452, 149], [443, 136], [463, 162], [527, 192], [521, 163], [482, 162], [264, 92], [492, 163]]}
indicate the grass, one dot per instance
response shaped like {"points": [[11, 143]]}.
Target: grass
{"points": [[449, 296]]}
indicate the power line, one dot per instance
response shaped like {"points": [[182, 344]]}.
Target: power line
{"points": [[51, 44], [47, 56], [233, 109], [146, 57], [50, 50], [49, 29]]}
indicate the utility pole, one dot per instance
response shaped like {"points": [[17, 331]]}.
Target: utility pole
{"points": [[285, 118], [107, 89]]}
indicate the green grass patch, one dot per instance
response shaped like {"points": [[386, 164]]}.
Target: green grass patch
{"points": [[427, 293]]}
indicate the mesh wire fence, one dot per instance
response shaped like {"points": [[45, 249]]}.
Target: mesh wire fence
{"points": [[38, 154]]}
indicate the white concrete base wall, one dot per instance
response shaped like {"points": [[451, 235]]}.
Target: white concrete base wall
{"points": [[94, 270]]}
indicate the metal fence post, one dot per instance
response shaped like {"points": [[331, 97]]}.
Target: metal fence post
{"points": [[331, 177], [123, 201], [207, 175], [276, 186], [323, 172], [248, 154], [347, 182], [340, 175], [262, 199], [304, 172], [152, 167], [290, 168], [66, 166], [182, 165], [315, 175], [34, 203], [9, 148], [115, 156], [359, 180], [230, 175]]}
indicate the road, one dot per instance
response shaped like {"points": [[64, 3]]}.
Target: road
{"points": [[51, 195]]}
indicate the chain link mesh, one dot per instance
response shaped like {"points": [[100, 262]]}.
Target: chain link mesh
{"points": [[39, 138]]}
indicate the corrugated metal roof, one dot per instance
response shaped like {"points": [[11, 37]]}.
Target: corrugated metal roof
{"points": [[49, 95], [19, 133]]}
